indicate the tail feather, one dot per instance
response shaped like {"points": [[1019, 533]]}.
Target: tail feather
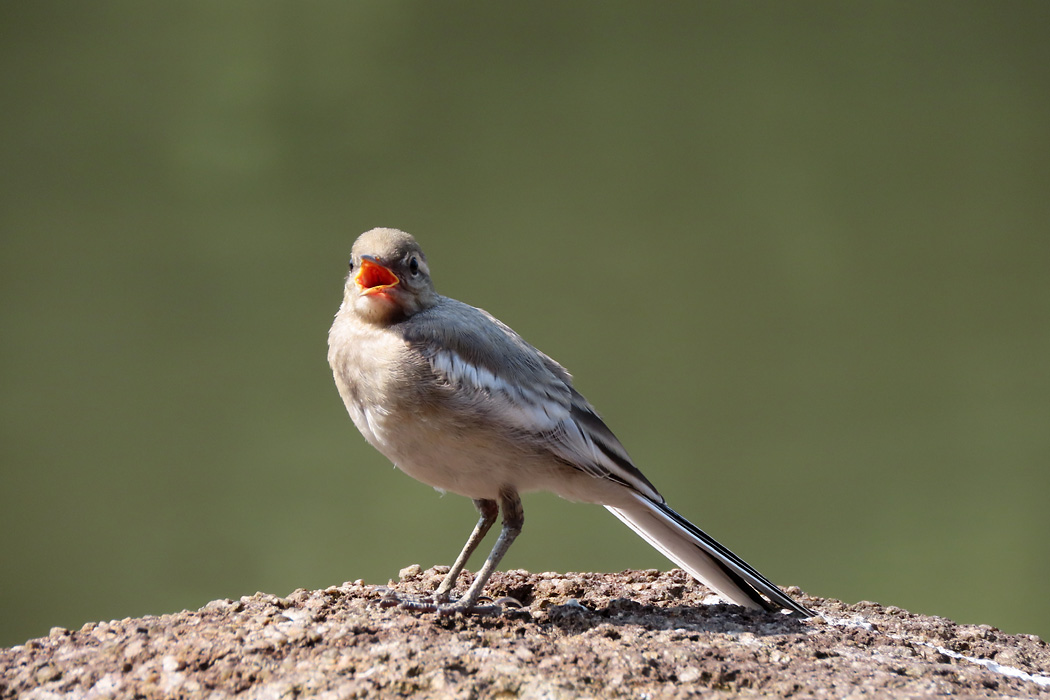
{"points": [[702, 556]]}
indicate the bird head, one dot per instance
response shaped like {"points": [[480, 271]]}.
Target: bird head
{"points": [[389, 279]]}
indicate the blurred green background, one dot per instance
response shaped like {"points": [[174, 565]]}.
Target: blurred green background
{"points": [[797, 255]]}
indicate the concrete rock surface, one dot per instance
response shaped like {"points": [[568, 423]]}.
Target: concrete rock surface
{"points": [[637, 634]]}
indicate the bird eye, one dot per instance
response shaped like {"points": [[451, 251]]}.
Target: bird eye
{"points": [[413, 265], [351, 264]]}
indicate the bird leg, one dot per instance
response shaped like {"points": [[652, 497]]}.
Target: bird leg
{"points": [[513, 520], [489, 510]]}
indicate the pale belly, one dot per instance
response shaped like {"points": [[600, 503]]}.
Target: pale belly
{"points": [[480, 462], [472, 463]]}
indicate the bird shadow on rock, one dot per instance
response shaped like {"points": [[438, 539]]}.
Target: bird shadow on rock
{"points": [[576, 617], [579, 602]]}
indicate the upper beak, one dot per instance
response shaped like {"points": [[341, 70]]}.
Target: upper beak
{"points": [[372, 277]]}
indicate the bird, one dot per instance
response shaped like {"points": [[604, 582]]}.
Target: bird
{"points": [[459, 401]]}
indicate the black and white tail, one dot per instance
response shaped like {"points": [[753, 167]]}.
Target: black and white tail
{"points": [[698, 553]]}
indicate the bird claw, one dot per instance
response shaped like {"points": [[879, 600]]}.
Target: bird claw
{"points": [[477, 608], [444, 608], [388, 598]]}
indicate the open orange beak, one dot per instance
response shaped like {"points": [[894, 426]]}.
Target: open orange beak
{"points": [[373, 278]]}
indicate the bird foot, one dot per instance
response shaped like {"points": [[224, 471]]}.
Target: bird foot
{"points": [[447, 608]]}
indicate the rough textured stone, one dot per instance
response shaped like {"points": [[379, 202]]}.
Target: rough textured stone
{"points": [[633, 634]]}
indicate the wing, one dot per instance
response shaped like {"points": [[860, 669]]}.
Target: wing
{"points": [[502, 379]]}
